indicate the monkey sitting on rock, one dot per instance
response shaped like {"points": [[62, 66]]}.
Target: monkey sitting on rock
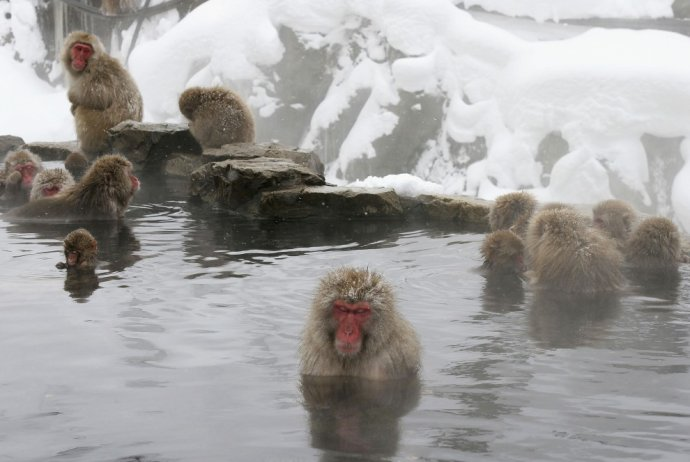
{"points": [[217, 116], [101, 91]]}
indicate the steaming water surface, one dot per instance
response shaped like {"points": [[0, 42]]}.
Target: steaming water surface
{"points": [[185, 348]]}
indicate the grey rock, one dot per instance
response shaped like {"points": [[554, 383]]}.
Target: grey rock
{"points": [[237, 183], [9, 143], [461, 210], [51, 151], [331, 202], [149, 146]]}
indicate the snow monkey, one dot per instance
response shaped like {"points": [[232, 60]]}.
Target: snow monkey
{"points": [[217, 116], [354, 329], [503, 253], [512, 211], [76, 163], [102, 194], [654, 246], [50, 182], [81, 250], [616, 218], [567, 255], [21, 168], [101, 91]]}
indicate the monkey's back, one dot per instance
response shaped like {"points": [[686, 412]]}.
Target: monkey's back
{"points": [[567, 255], [217, 116]]}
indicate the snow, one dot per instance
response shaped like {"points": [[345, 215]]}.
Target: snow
{"points": [[600, 90]]}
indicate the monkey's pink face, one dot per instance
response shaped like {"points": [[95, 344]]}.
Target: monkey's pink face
{"points": [[136, 184], [51, 190], [351, 318], [80, 54], [28, 171]]}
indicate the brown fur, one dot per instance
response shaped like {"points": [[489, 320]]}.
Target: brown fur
{"points": [[115, 7], [390, 349], [102, 95], [217, 116], [503, 252], [52, 178], [81, 242], [102, 194], [76, 163], [616, 218], [512, 211], [567, 255], [654, 245], [14, 191]]}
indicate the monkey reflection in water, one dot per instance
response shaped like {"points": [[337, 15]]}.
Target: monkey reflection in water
{"points": [[354, 415], [81, 251]]}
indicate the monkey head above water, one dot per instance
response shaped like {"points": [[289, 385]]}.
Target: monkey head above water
{"points": [[503, 252], [21, 168], [354, 329], [81, 250], [102, 194], [101, 91], [512, 211], [50, 182], [616, 218]]}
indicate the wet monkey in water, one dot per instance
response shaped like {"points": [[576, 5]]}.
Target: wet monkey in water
{"points": [[503, 253], [50, 182], [102, 194], [21, 168], [512, 211], [101, 91], [76, 163], [354, 329], [81, 250], [217, 116], [616, 218], [567, 255]]}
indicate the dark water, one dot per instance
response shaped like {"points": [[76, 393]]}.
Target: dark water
{"points": [[184, 348]]}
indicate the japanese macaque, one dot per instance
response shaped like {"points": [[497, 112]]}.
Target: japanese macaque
{"points": [[654, 245], [512, 211], [616, 218], [354, 329], [50, 182], [567, 255], [503, 252], [21, 168], [217, 116], [76, 163], [102, 194], [101, 91], [81, 250], [81, 253]]}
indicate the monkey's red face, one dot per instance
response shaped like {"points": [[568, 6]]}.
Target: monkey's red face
{"points": [[351, 318], [136, 184], [28, 171], [72, 258], [50, 191], [80, 54]]}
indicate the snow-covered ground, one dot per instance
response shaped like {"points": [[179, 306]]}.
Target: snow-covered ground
{"points": [[599, 90]]}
